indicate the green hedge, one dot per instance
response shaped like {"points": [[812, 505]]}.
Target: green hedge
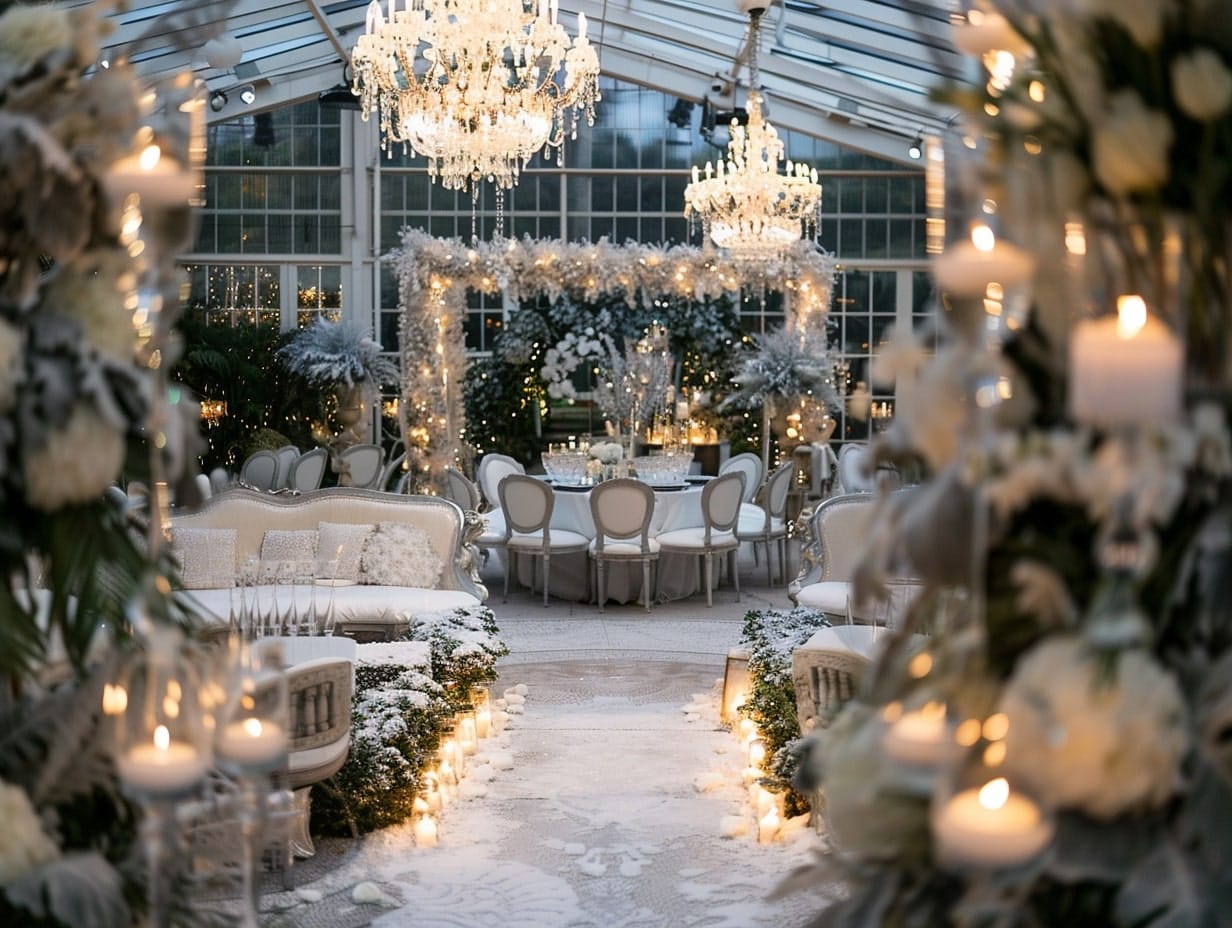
{"points": [[770, 636]]}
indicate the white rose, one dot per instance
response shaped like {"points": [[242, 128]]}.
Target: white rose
{"points": [[1203, 85], [76, 464], [23, 843], [10, 365], [1082, 738], [1130, 145], [27, 33]]}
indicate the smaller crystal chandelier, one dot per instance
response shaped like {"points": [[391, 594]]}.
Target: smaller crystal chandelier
{"points": [[747, 208], [473, 85]]}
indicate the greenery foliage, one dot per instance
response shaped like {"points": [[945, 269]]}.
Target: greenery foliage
{"points": [[239, 366], [770, 636], [397, 715]]}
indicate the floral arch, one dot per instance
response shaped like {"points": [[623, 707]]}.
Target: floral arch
{"points": [[434, 275]]}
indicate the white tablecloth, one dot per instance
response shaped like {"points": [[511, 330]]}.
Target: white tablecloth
{"points": [[679, 576]]}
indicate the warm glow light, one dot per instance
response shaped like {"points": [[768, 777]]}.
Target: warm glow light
{"points": [[967, 733], [996, 726], [920, 665], [983, 238], [162, 738], [149, 157], [1131, 315], [994, 794], [252, 727]]}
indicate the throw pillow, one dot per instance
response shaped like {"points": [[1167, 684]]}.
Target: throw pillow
{"points": [[339, 548], [398, 554], [206, 557], [279, 545]]}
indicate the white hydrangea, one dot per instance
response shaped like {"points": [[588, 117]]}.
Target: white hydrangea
{"points": [[607, 452], [90, 290], [1101, 740], [24, 845], [27, 33], [560, 361], [77, 462]]}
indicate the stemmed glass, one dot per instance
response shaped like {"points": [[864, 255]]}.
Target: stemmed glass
{"points": [[251, 743]]}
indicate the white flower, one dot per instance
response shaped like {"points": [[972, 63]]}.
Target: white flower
{"points": [[10, 365], [1102, 740], [607, 452], [23, 843], [1130, 145], [90, 291], [77, 463], [1142, 19], [27, 33], [1203, 84]]}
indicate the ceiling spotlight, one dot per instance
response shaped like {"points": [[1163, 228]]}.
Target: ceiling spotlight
{"points": [[218, 100], [248, 94], [915, 150]]}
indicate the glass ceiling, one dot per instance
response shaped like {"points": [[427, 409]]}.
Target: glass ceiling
{"points": [[854, 72]]}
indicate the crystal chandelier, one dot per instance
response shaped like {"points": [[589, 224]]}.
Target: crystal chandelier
{"points": [[473, 85], [747, 208]]}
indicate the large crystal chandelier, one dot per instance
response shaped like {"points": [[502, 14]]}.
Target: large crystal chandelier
{"points": [[474, 85], [746, 206]]}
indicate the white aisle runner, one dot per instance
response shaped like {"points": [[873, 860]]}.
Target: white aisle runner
{"points": [[602, 820]]}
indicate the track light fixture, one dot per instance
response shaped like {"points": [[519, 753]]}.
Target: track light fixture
{"points": [[248, 94], [915, 151], [218, 100]]}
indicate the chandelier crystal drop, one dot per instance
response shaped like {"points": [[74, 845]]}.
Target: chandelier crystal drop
{"points": [[475, 86], [746, 206]]}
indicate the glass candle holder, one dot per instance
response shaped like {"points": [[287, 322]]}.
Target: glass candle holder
{"points": [[251, 727], [981, 819], [162, 742]]}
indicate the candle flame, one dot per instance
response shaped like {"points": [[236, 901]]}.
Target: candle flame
{"points": [[115, 699], [994, 794], [252, 728], [162, 738], [1131, 315], [149, 157], [983, 238]]}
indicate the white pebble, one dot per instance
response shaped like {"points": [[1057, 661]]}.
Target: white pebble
{"points": [[368, 893], [499, 703], [521, 689], [480, 773], [514, 700], [733, 826], [692, 717], [470, 789], [309, 895], [516, 709]]}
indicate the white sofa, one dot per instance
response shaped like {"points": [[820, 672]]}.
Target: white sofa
{"points": [[237, 520]]}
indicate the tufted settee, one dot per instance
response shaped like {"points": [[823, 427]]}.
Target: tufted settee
{"points": [[219, 543]]}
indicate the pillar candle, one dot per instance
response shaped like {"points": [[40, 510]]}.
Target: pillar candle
{"points": [[993, 827], [425, 831], [1124, 370]]}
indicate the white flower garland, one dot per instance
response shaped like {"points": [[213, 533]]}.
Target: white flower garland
{"points": [[434, 275]]}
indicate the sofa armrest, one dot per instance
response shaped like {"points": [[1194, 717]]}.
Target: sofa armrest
{"points": [[319, 696]]}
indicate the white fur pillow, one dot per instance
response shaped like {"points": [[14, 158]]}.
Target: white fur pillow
{"points": [[295, 545], [342, 542], [398, 554], [206, 557]]}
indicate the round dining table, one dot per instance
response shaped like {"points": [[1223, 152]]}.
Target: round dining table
{"points": [[678, 576]]}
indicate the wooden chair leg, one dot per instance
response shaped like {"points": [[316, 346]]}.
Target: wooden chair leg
{"points": [[599, 582], [510, 563], [709, 571], [646, 583]]}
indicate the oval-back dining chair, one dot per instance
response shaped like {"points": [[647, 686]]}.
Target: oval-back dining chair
{"points": [[622, 510], [528, 504], [717, 534]]}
